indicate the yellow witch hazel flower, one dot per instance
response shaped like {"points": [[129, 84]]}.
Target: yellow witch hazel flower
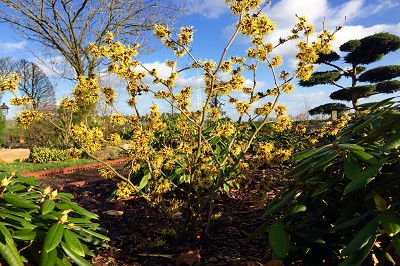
{"points": [[117, 119], [242, 107], [21, 101], [69, 104], [115, 139], [106, 172], [28, 117], [9, 84]]}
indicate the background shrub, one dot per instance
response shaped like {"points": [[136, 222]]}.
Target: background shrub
{"points": [[44, 154]]}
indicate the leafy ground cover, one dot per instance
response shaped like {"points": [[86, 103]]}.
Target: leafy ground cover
{"points": [[141, 236], [25, 167]]}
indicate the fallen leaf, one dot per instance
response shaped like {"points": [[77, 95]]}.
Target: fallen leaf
{"points": [[274, 263], [114, 212], [188, 258]]}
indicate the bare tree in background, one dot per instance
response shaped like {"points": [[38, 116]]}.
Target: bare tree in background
{"points": [[69, 26], [34, 83], [6, 68]]}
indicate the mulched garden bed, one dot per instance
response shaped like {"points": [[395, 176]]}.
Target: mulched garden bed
{"points": [[135, 229]]}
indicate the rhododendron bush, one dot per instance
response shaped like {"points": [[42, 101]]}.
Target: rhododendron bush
{"points": [[205, 153]]}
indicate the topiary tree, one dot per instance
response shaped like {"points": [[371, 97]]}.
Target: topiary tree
{"points": [[359, 53], [327, 108]]}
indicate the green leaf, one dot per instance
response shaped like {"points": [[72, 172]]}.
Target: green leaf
{"points": [[363, 179], [75, 257], [81, 210], [285, 199], [8, 249], [362, 237], [364, 156], [145, 180], [390, 222], [304, 155], [303, 166], [64, 261], [349, 223], [279, 239], [329, 157], [359, 256], [90, 232], [393, 142], [350, 147], [368, 121], [380, 202], [351, 167], [48, 258], [18, 201], [326, 185], [26, 235], [53, 237], [298, 208], [48, 206], [396, 243], [72, 241]]}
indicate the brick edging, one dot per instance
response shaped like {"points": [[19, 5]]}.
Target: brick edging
{"points": [[71, 169]]}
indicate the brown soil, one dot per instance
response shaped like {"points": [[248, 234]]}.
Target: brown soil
{"points": [[135, 228]]}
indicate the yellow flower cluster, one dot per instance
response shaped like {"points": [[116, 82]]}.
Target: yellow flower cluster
{"points": [[117, 119], [243, 107], [264, 109], [282, 123], [69, 104], [115, 139], [106, 172], [28, 117], [109, 94], [239, 6], [270, 154], [183, 98], [21, 101], [214, 114], [225, 130], [90, 139], [280, 109], [154, 121], [308, 52], [161, 31], [9, 84], [287, 88], [275, 62], [124, 190], [162, 187], [74, 153], [185, 37], [256, 25], [332, 128], [86, 91]]}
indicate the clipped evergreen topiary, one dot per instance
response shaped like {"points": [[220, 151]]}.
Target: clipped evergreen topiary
{"points": [[357, 54]]}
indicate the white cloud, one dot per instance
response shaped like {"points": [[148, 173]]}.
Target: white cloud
{"points": [[210, 8], [284, 12], [12, 46], [380, 6]]}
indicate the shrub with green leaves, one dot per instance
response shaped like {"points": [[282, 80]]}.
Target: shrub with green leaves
{"points": [[345, 200], [44, 227], [45, 154]]}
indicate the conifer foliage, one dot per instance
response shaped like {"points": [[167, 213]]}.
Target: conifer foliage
{"points": [[357, 54]]}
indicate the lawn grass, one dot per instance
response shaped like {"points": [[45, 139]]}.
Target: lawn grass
{"points": [[23, 167]]}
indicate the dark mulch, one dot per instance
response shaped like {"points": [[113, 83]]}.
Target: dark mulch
{"points": [[135, 229]]}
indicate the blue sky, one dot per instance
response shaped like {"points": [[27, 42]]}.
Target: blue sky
{"points": [[213, 25]]}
